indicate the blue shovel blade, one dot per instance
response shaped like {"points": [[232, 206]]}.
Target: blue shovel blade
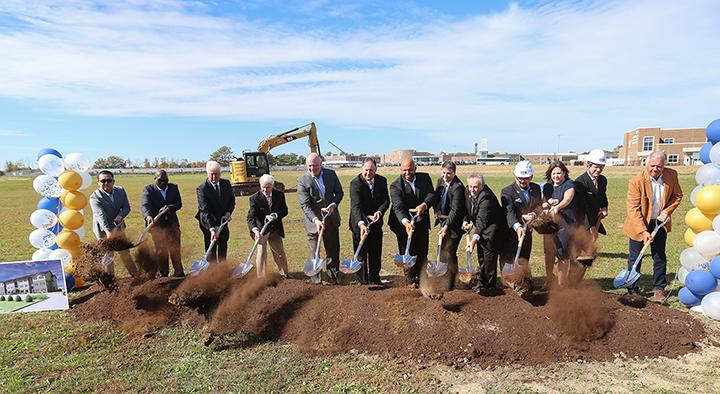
{"points": [[310, 269], [241, 270], [197, 266], [409, 261], [626, 279], [435, 270], [350, 266]]}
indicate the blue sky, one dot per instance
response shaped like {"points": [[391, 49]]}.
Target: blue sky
{"points": [[181, 78]]}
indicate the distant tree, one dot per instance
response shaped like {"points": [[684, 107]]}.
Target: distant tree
{"points": [[9, 166], [223, 155], [115, 162], [328, 153], [271, 159], [301, 160], [2, 173], [183, 163], [289, 159], [100, 163], [14, 166], [146, 163]]}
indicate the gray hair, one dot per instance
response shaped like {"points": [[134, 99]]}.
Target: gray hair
{"points": [[212, 166], [477, 176], [267, 178], [660, 154]]}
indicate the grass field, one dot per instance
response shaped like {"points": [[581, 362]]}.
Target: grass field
{"points": [[52, 352]]}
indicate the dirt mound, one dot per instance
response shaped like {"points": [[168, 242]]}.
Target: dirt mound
{"points": [[463, 327], [89, 267]]}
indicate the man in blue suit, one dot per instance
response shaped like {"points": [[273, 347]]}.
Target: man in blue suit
{"points": [[166, 231]]}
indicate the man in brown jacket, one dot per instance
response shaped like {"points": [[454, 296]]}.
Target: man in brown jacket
{"points": [[652, 197]]}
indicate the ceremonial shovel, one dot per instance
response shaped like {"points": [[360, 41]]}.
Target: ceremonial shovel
{"points": [[243, 268], [627, 278], [348, 266], [314, 265], [510, 268], [471, 268], [405, 259], [437, 268], [107, 258], [200, 265]]}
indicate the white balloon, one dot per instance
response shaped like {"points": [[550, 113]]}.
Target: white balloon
{"points": [[42, 218], [698, 309], [41, 254], [715, 154], [51, 165], [711, 305], [716, 224], [690, 258], [41, 238], [86, 180], [47, 186], [681, 274], [76, 162], [707, 243], [80, 232], [61, 254], [694, 193], [708, 174]]}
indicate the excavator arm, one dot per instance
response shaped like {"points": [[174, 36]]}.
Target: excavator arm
{"points": [[309, 130]]}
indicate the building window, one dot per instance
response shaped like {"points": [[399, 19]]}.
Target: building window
{"points": [[648, 143], [672, 159], [667, 140]]}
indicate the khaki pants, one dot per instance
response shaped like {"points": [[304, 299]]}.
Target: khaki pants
{"points": [[275, 243]]}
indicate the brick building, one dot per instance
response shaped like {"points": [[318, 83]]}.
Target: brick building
{"points": [[682, 146]]}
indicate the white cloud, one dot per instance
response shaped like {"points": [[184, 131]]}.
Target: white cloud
{"points": [[574, 68], [14, 133]]}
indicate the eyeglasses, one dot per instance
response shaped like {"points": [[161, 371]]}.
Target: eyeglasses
{"points": [[106, 180]]}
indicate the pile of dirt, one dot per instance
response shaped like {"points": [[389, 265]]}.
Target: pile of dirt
{"points": [[463, 327], [88, 265]]}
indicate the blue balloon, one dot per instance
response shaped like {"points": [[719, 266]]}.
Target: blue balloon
{"points": [[700, 282], [713, 131], [688, 298], [715, 267], [54, 247], [705, 153], [48, 151], [69, 281], [50, 203], [56, 229]]}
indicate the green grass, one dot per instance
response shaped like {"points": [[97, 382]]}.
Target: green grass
{"points": [[52, 352], [9, 306]]}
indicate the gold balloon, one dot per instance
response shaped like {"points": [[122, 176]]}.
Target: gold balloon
{"points": [[698, 221], [71, 219], [70, 180], [75, 200], [75, 253], [689, 237], [708, 200], [69, 268], [67, 240], [79, 282]]}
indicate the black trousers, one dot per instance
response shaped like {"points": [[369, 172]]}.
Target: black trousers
{"points": [[488, 262], [167, 244], [418, 247], [370, 255], [658, 255], [219, 250], [331, 244], [507, 256]]}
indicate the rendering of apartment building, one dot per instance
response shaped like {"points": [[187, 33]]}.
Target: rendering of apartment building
{"points": [[40, 282]]}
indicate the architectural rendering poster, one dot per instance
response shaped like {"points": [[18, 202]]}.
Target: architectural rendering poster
{"points": [[31, 286]]}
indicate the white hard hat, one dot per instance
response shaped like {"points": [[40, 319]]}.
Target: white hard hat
{"points": [[596, 156], [523, 169]]}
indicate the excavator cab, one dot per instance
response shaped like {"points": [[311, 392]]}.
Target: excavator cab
{"points": [[256, 163]]}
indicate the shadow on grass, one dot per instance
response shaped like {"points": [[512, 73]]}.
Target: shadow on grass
{"points": [[614, 255]]}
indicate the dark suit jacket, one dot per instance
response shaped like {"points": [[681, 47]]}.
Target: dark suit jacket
{"points": [[454, 209], [259, 209], [403, 199], [152, 201], [364, 203], [311, 201], [211, 209], [488, 217], [512, 199], [590, 200]]}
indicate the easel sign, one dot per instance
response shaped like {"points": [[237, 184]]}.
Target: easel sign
{"points": [[32, 286]]}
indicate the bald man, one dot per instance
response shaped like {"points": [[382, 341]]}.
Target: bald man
{"points": [[166, 232], [320, 192], [411, 190]]}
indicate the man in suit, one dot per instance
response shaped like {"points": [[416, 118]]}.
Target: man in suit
{"points": [[320, 192], [486, 217], [520, 199], [652, 197], [110, 206], [591, 192], [369, 201], [268, 204], [449, 205], [216, 202], [412, 190], [166, 231]]}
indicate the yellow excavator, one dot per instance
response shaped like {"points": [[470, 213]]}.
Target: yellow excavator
{"points": [[245, 172]]}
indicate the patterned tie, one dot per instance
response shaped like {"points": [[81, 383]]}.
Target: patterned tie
{"points": [[595, 182], [269, 201]]}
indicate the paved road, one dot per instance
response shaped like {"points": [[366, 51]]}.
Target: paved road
{"points": [[55, 301]]}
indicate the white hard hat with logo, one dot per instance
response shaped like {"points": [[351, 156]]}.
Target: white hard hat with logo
{"points": [[597, 156], [523, 169]]}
